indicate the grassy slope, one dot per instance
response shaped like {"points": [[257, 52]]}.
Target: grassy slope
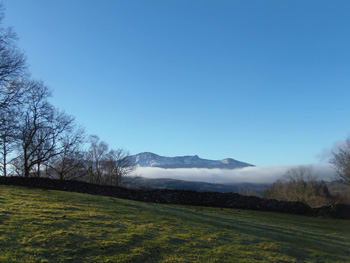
{"points": [[52, 226]]}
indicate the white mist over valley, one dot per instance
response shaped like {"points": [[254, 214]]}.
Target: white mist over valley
{"points": [[195, 169]]}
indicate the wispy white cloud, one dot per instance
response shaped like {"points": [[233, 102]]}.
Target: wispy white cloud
{"points": [[326, 154], [223, 176]]}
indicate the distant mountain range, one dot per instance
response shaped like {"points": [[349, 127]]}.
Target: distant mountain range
{"points": [[148, 159]]}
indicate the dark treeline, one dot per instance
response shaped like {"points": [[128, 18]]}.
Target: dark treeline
{"points": [[39, 140]]}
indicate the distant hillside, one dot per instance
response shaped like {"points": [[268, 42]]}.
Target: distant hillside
{"points": [[148, 159], [166, 183]]}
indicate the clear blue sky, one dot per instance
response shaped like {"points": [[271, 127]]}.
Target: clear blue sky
{"points": [[265, 82]]}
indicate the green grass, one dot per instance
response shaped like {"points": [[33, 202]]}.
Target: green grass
{"points": [[52, 226]]}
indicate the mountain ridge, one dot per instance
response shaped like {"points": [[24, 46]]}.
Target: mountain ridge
{"points": [[149, 159]]}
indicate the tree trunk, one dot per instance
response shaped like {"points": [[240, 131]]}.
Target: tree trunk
{"points": [[4, 160], [26, 166], [26, 169], [38, 173], [5, 170]]}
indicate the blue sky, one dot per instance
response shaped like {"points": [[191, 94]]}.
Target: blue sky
{"points": [[265, 82]]}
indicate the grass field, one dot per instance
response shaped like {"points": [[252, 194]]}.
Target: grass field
{"points": [[53, 226]]}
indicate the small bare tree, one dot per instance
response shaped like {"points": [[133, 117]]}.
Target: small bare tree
{"points": [[300, 184], [105, 166], [118, 165], [341, 163], [69, 163], [8, 137], [94, 158], [277, 191]]}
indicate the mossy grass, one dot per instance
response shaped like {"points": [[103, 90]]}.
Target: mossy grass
{"points": [[53, 226]]}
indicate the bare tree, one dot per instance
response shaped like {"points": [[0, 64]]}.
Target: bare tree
{"points": [[106, 166], [12, 60], [298, 179], [10, 115], [341, 163], [11, 94], [41, 127], [12, 68], [276, 191], [69, 163], [47, 142], [118, 165], [95, 157], [12, 64], [36, 114], [300, 184], [8, 136]]}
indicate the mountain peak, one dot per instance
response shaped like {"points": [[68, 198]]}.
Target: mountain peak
{"points": [[148, 159]]}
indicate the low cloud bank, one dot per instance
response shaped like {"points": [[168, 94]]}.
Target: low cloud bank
{"points": [[224, 176]]}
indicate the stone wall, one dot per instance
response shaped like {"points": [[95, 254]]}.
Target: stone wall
{"points": [[184, 197]]}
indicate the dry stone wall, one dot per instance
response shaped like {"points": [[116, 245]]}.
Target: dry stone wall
{"points": [[183, 197]]}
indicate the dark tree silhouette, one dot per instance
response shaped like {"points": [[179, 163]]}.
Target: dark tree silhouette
{"points": [[41, 127]]}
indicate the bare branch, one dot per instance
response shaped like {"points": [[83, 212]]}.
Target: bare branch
{"points": [[341, 163]]}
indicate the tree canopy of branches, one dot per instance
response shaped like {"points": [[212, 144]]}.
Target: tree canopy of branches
{"points": [[41, 127], [12, 68], [105, 166], [36, 138], [300, 184], [341, 163], [12, 60], [68, 164], [12, 64]]}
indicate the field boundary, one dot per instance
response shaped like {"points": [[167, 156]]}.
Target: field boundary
{"points": [[183, 197]]}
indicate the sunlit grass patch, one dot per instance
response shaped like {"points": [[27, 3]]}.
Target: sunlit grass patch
{"points": [[53, 226]]}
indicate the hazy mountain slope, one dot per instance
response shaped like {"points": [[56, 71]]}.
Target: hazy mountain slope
{"points": [[167, 183], [148, 159]]}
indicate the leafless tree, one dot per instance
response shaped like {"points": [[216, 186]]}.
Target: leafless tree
{"points": [[12, 60], [8, 136], [298, 179], [12, 64], [95, 157], [69, 163], [300, 184], [11, 94], [41, 127], [118, 165], [47, 142], [341, 163], [10, 121], [106, 166], [12, 68], [276, 191]]}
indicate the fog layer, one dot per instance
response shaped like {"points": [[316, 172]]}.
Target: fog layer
{"points": [[223, 176]]}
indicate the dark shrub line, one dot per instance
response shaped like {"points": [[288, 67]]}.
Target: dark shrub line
{"points": [[184, 197]]}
